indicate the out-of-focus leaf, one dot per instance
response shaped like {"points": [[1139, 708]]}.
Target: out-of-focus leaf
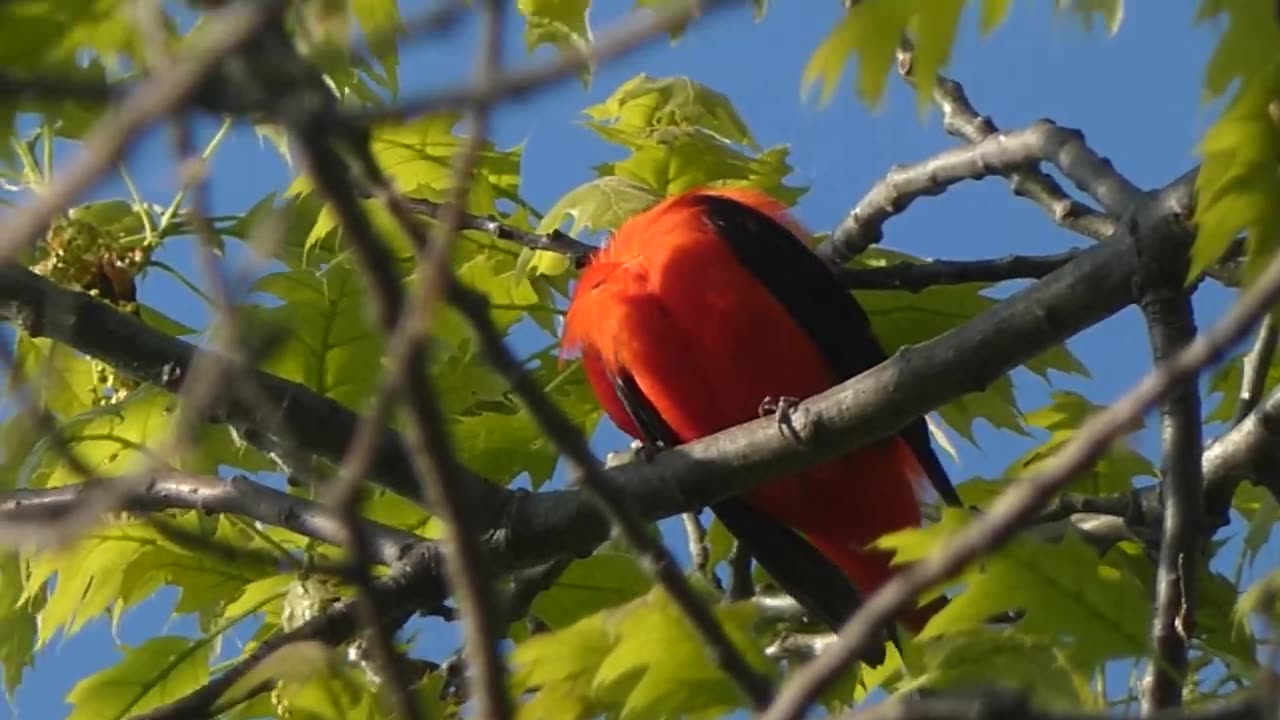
{"points": [[1239, 177], [17, 624], [1089, 609], [159, 671], [559, 23], [641, 660], [600, 204], [870, 30], [1115, 470], [644, 106], [589, 585], [1111, 12], [120, 438], [1010, 660]]}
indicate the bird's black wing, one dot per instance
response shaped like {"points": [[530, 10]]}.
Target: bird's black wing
{"points": [[816, 301]]}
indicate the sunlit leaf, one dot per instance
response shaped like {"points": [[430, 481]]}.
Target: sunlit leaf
{"points": [[17, 624], [589, 585], [641, 660], [161, 670]]}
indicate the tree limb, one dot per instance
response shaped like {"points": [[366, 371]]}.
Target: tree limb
{"points": [[914, 277], [995, 154], [1166, 305], [237, 496]]}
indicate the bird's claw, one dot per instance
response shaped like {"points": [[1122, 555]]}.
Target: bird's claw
{"points": [[781, 408]]}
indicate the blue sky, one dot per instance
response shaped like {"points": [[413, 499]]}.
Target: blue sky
{"points": [[1136, 96]]}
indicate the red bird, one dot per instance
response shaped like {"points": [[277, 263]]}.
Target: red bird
{"points": [[698, 310]]}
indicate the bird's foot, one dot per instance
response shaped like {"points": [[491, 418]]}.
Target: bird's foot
{"points": [[781, 408]]}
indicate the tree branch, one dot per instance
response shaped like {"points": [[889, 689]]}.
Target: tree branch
{"points": [[914, 277], [1027, 496], [237, 496], [1257, 364], [1166, 305], [995, 154], [556, 241]]}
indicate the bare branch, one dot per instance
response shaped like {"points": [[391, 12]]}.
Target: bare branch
{"points": [[236, 496], [995, 154], [914, 277], [1257, 363], [1166, 305], [555, 241], [961, 120]]}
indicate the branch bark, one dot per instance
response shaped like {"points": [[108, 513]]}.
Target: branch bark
{"points": [[1166, 305]]}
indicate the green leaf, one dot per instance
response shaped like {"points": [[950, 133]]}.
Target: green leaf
{"points": [[327, 339], [720, 543], [559, 23], [1092, 610], [207, 580], [680, 160], [901, 318], [56, 376], [419, 158], [992, 15], [870, 30], [90, 576], [17, 624], [40, 34], [643, 107], [264, 595], [1115, 470], [118, 439], [935, 34], [1112, 12], [159, 671], [1015, 661], [589, 585], [165, 324], [1239, 177], [642, 660], [600, 204], [380, 19]]}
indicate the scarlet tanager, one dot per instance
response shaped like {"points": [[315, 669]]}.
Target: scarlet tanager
{"points": [[698, 310]]}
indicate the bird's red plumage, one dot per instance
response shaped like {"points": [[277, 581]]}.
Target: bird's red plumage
{"points": [[668, 302]]}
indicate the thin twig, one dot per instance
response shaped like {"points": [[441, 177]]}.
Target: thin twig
{"points": [[235, 496], [556, 241], [1256, 367], [913, 276], [699, 557]]}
